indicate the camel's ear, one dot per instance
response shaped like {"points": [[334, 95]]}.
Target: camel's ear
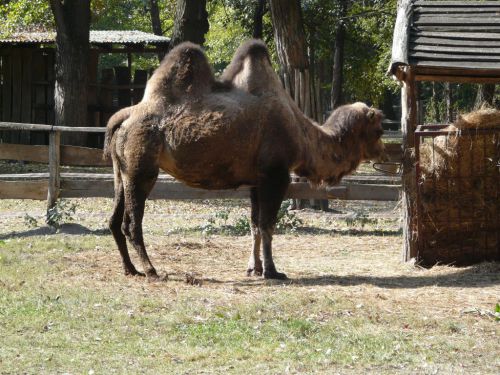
{"points": [[370, 114]]}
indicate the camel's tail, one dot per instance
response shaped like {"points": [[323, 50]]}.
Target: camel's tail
{"points": [[113, 125]]}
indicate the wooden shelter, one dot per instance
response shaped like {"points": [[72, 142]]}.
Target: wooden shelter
{"points": [[27, 77], [448, 41]]}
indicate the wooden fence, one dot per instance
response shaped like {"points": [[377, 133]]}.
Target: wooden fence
{"points": [[53, 184]]}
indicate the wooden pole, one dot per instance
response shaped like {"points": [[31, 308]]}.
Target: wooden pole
{"points": [[54, 172], [409, 188]]}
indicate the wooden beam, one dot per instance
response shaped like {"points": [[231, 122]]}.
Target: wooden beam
{"points": [[408, 125], [23, 189], [37, 154], [456, 79], [54, 166], [70, 155], [39, 127], [401, 36], [83, 156], [465, 3]]}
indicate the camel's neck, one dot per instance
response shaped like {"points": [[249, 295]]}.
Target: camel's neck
{"points": [[326, 155]]}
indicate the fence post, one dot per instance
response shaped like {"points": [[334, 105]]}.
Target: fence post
{"points": [[54, 164]]}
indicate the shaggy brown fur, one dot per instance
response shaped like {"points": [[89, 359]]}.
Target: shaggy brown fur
{"points": [[244, 130]]}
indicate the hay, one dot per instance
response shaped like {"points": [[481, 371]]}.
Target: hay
{"points": [[459, 191]]}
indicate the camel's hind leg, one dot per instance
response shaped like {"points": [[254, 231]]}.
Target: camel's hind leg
{"points": [[115, 224], [255, 263], [136, 191]]}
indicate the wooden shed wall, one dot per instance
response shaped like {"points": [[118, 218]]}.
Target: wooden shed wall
{"points": [[27, 82]]}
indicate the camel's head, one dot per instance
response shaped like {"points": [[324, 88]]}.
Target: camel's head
{"points": [[374, 147], [360, 126]]}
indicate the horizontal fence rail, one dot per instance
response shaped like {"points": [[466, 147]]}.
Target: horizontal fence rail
{"points": [[54, 184]]}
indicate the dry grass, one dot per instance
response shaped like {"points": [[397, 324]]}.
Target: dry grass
{"points": [[350, 306]]}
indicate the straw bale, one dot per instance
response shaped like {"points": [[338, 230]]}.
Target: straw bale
{"points": [[460, 191]]}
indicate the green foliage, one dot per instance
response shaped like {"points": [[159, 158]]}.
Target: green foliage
{"points": [[497, 312], [288, 221], [25, 15], [30, 221], [219, 223], [226, 33], [62, 211]]}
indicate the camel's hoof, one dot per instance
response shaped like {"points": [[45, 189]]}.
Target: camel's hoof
{"points": [[254, 272], [275, 275], [134, 273], [152, 276]]}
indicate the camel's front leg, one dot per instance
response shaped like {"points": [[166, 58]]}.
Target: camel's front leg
{"points": [[271, 192], [254, 263]]}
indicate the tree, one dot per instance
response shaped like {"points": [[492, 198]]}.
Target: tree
{"points": [[191, 22], [485, 95], [260, 10], [72, 19], [338, 58]]}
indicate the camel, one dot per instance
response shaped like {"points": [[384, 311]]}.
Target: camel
{"points": [[222, 134]]}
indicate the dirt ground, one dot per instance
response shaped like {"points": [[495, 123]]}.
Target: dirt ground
{"points": [[352, 253]]}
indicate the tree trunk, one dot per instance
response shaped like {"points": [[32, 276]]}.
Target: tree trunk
{"points": [[72, 56], [291, 48], [485, 95], [154, 12], [338, 67], [191, 22], [260, 10], [290, 40]]}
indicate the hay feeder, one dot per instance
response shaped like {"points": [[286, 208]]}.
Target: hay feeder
{"points": [[458, 193]]}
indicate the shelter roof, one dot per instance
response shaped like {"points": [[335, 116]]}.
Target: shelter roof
{"points": [[125, 37], [456, 37]]}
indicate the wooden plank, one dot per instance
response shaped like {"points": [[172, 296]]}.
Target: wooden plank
{"points": [[105, 99], [16, 92], [472, 11], [478, 51], [23, 190], [6, 87], [54, 167], [453, 71], [469, 65], [40, 96], [460, 28], [70, 155], [446, 20], [177, 191], [50, 66], [42, 127], [443, 41], [454, 57], [82, 156], [122, 74], [24, 177], [26, 56], [140, 79], [464, 3], [16, 87], [458, 35], [456, 79], [37, 154]]}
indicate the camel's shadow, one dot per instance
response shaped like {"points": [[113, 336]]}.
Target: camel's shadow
{"points": [[476, 276], [67, 228]]}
